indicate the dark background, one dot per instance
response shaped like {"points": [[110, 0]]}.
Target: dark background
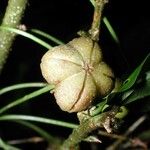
{"points": [[63, 19]]}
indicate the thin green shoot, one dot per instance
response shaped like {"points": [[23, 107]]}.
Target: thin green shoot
{"points": [[38, 119], [27, 35], [111, 30], [21, 86], [5, 146], [26, 98], [46, 35]]}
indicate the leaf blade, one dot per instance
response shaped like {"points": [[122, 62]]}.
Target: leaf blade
{"points": [[140, 92], [130, 81]]}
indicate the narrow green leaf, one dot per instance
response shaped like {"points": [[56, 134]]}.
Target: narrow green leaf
{"points": [[133, 77], [6, 146], [27, 35], [126, 94], [100, 107], [21, 86], [142, 90], [50, 37], [38, 119], [26, 98], [125, 90], [111, 30]]}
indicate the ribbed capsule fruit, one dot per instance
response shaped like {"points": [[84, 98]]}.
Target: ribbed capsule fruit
{"points": [[79, 73]]}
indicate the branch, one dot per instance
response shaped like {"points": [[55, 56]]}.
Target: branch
{"points": [[13, 15], [95, 28], [116, 144], [103, 120]]}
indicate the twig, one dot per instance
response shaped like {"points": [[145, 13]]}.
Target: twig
{"points": [[34, 140], [103, 120], [129, 131], [114, 136], [28, 140], [135, 125], [12, 18], [95, 28]]}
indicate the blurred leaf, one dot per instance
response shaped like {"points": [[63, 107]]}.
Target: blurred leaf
{"points": [[6, 146], [144, 135], [21, 86], [38, 119], [126, 94], [27, 35], [50, 37], [142, 90], [111, 30]]}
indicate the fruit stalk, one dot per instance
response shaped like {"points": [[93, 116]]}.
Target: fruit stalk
{"points": [[98, 9]]}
